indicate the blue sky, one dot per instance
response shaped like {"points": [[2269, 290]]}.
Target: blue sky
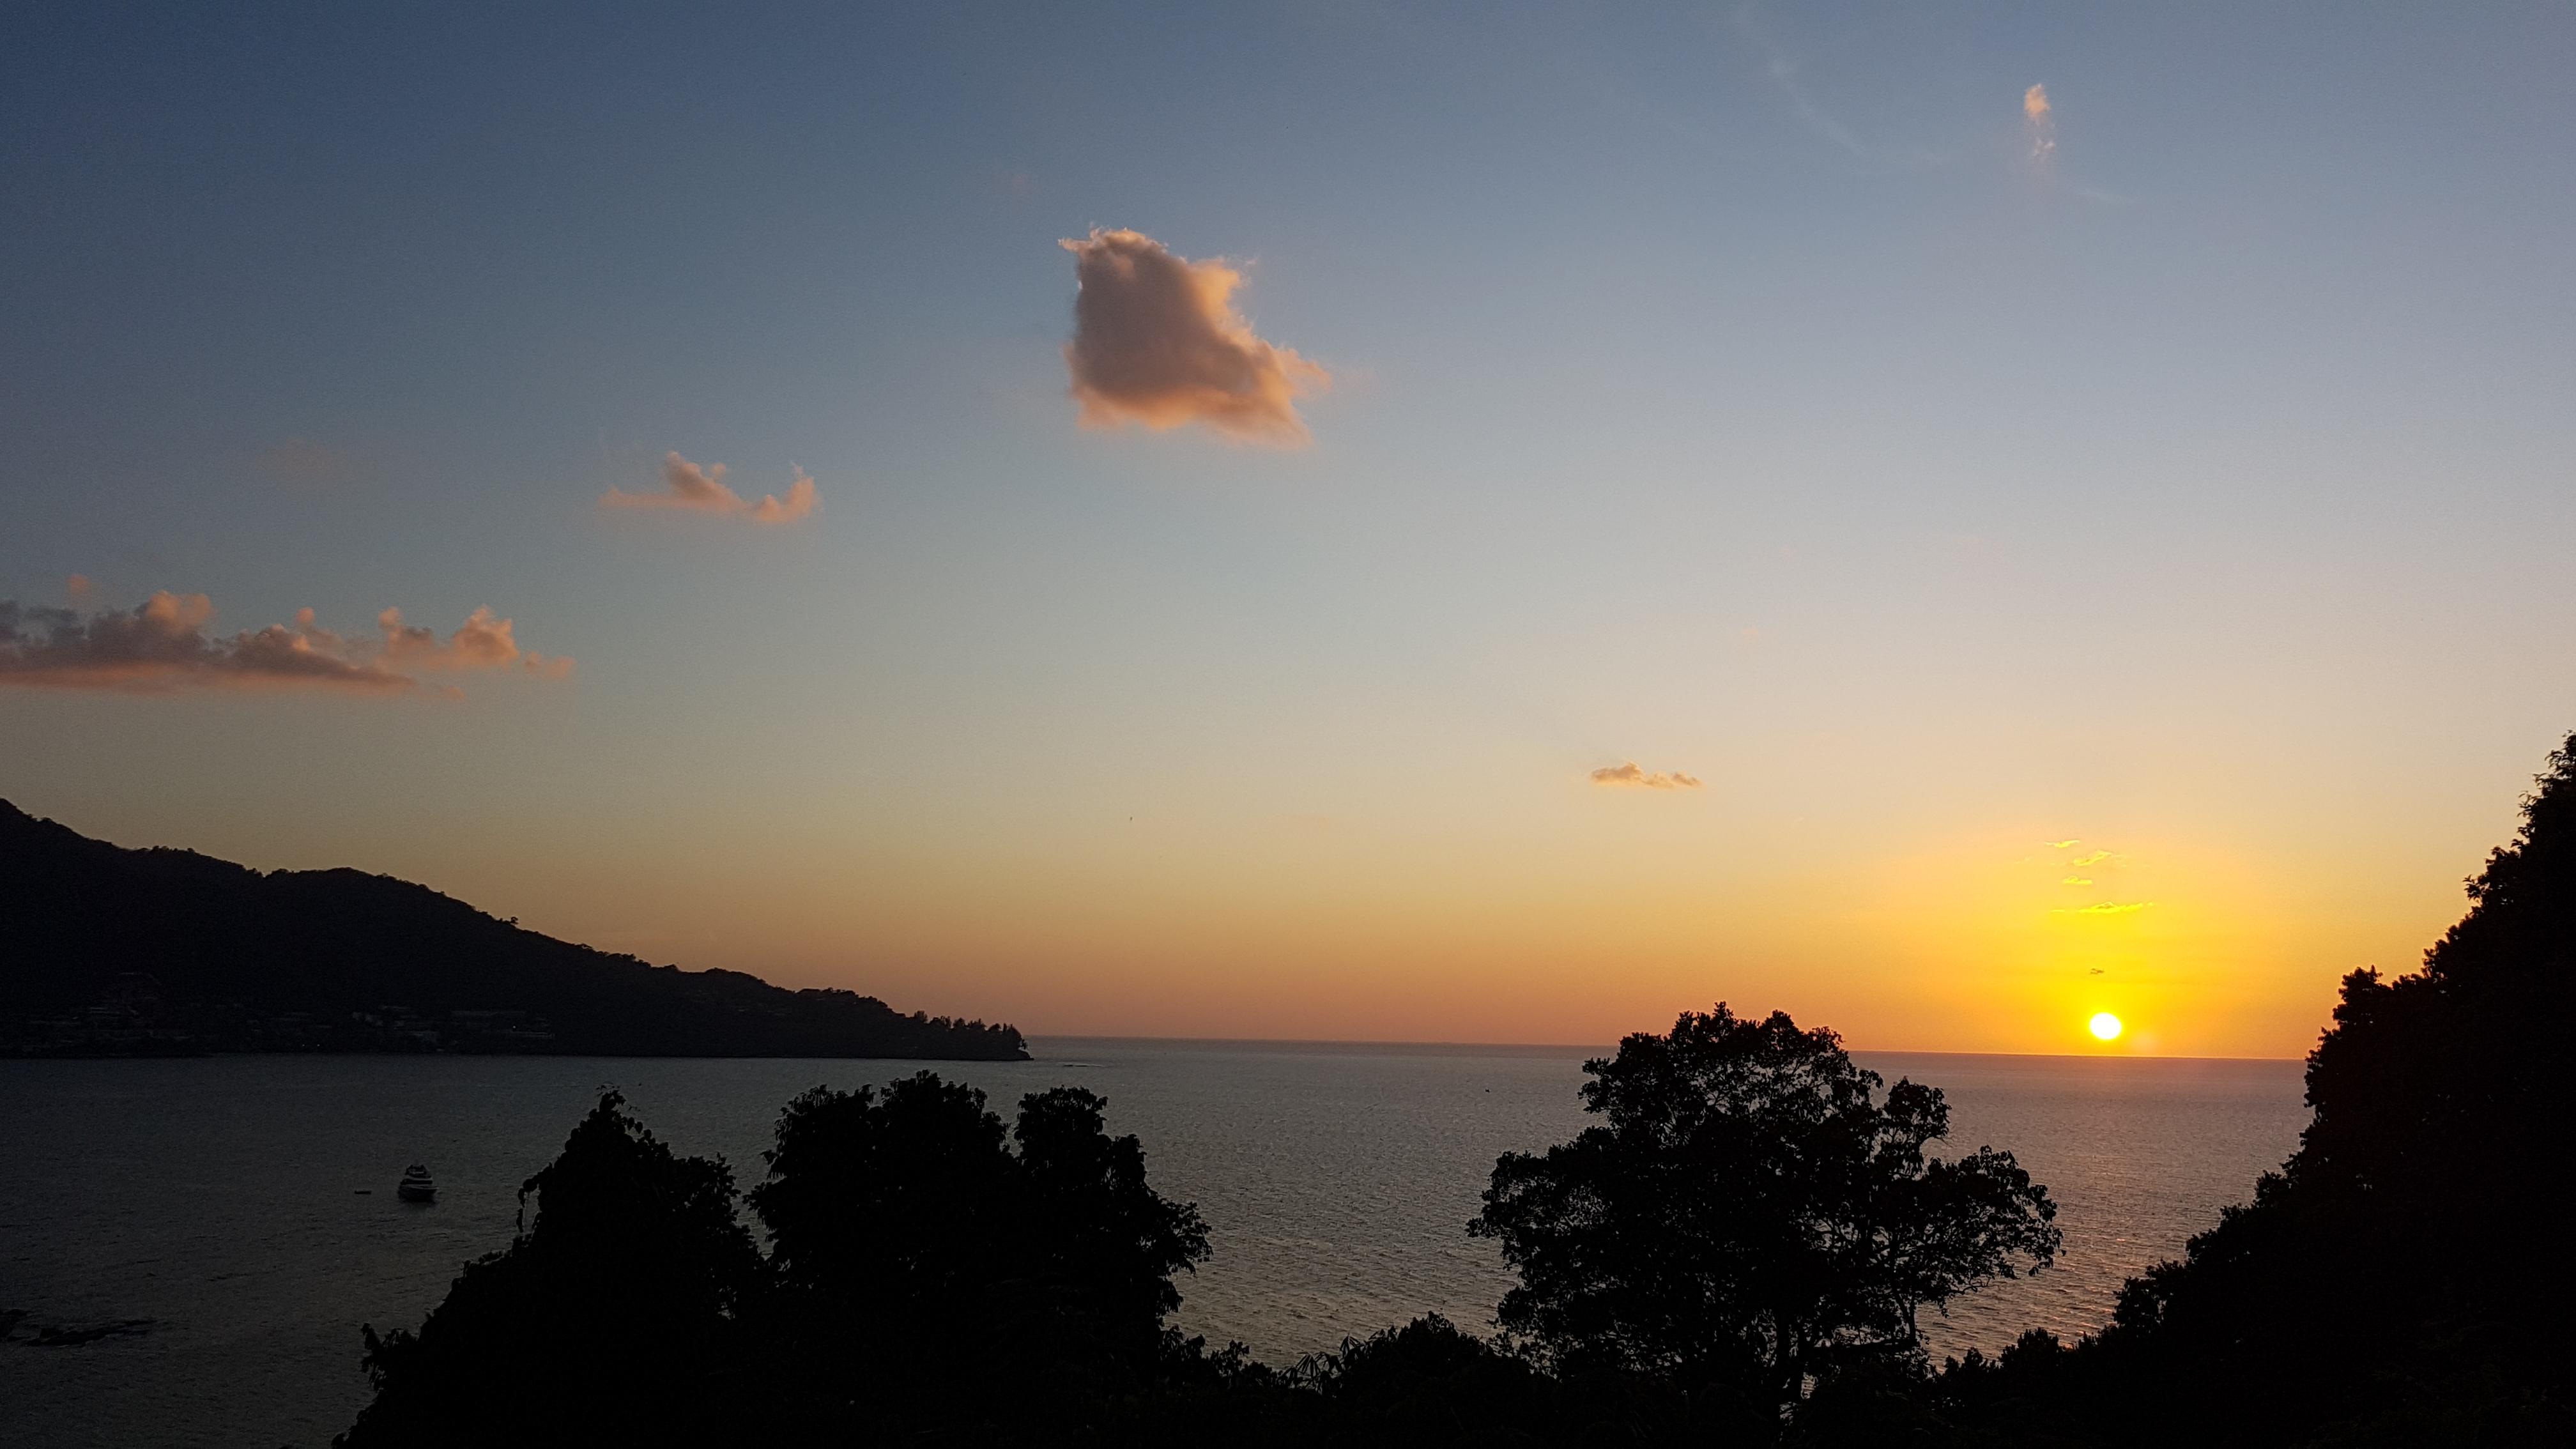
{"points": [[1732, 390]]}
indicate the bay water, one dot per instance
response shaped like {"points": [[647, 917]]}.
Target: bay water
{"points": [[193, 1244]]}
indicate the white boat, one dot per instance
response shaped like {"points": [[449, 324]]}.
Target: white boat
{"points": [[416, 1186]]}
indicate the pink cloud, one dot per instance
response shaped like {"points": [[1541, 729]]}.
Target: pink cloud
{"points": [[690, 488], [1157, 342], [2041, 118], [481, 642], [162, 645]]}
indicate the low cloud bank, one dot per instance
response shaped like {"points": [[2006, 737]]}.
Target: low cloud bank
{"points": [[162, 645], [691, 488], [1157, 343]]}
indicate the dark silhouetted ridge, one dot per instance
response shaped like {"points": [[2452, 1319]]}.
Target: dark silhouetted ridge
{"points": [[108, 951], [2404, 1279]]}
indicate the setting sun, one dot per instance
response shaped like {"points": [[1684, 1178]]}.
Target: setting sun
{"points": [[2104, 1025]]}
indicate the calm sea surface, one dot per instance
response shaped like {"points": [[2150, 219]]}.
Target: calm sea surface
{"points": [[233, 1219]]}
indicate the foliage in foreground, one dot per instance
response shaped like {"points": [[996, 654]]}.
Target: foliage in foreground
{"points": [[1751, 1212], [934, 1277], [617, 1312], [2401, 1280], [932, 1273]]}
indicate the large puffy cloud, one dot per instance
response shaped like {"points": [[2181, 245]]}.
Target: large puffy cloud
{"points": [[163, 645], [1157, 342], [1632, 776], [691, 488]]}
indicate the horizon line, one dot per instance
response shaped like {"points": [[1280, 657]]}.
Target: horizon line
{"points": [[1540, 1046]]}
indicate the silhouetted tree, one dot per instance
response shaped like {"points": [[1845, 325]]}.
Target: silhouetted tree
{"points": [[2387, 1286], [934, 1277], [938, 1278], [1430, 1383], [892, 1201], [1750, 1212], [610, 1318], [926, 1279], [1425, 1385], [1095, 1235]]}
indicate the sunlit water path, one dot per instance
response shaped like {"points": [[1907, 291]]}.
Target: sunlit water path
{"points": [[216, 1206]]}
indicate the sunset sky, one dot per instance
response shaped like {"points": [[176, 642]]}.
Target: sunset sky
{"points": [[1181, 522]]}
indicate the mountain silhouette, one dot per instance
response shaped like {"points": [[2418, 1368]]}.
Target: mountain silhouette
{"points": [[109, 951]]}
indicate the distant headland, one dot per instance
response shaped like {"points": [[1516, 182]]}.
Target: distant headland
{"points": [[106, 951]]}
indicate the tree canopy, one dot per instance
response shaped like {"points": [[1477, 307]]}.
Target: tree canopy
{"points": [[973, 1281], [925, 1279], [613, 1316], [1750, 1211]]}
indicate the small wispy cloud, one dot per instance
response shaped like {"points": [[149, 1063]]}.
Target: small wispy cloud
{"points": [[162, 645], [2041, 121], [2060, 844], [1633, 776], [2075, 880], [1157, 342], [2039, 124], [1784, 74], [1789, 77], [2105, 908], [78, 587], [2098, 857], [691, 488]]}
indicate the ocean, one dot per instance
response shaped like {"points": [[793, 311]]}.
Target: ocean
{"points": [[201, 1239]]}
